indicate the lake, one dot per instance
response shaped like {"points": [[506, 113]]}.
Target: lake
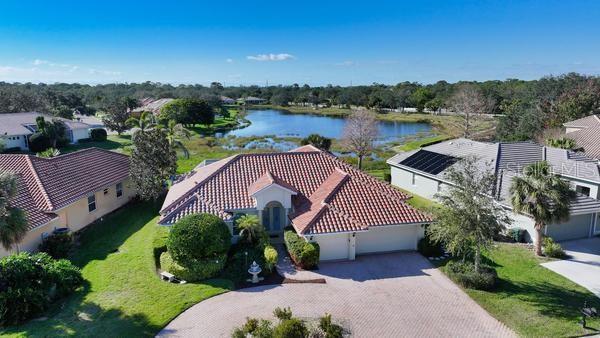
{"points": [[279, 123]]}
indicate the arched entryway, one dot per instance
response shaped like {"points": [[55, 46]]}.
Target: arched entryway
{"points": [[274, 217]]}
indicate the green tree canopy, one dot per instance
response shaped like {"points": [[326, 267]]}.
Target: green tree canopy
{"points": [[318, 141], [188, 112], [13, 221]]}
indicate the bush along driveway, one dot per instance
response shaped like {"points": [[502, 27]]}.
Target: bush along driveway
{"points": [[122, 296]]}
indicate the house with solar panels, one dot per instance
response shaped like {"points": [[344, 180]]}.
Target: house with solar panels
{"points": [[423, 172]]}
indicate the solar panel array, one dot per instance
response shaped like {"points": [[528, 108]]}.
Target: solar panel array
{"points": [[429, 162]]}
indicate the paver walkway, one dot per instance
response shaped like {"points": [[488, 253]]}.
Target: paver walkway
{"points": [[392, 295], [583, 265]]}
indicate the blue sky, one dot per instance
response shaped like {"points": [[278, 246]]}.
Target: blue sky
{"points": [[285, 42]]}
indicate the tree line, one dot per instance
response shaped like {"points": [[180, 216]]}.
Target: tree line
{"points": [[527, 107]]}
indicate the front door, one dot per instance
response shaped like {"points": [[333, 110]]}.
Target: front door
{"points": [[273, 218]]}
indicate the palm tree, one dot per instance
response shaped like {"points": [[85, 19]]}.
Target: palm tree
{"points": [[13, 223], [144, 122], [175, 132], [543, 196], [250, 228]]}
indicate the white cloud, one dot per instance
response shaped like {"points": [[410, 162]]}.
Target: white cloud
{"points": [[94, 71], [270, 57], [347, 63], [229, 60]]}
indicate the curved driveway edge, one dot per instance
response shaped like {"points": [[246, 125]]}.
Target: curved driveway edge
{"points": [[391, 295]]}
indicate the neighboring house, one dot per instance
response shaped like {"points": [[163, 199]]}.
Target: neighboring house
{"points": [[252, 100], [323, 198], [67, 191], [586, 133], [151, 105], [423, 172], [15, 129], [226, 100]]}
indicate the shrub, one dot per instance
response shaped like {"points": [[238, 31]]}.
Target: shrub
{"points": [[317, 140], [98, 134], [282, 314], [305, 254], [290, 328], [428, 248], [330, 329], [251, 231], [271, 257], [159, 243], [254, 328], [464, 273], [517, 234], [387, 176], [39, 142], [197, 238], [57, 245], [552, 249], [30, 282], [201, 269]]}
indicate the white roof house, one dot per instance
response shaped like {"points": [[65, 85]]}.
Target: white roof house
{"points": [[15, 128], [423, 171]]}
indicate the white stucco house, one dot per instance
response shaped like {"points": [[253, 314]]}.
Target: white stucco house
{"points": [[422, 172], [68, 191], [322, 198], [15, 129]]}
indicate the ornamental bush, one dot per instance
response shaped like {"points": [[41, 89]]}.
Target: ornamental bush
{"points": [[464, 273], [197, 238], [98, 134], [57, 245], [290, 328], [552, 249], [304, 254], [271, 257], [29, 283], [39, 142], [202, 269]]}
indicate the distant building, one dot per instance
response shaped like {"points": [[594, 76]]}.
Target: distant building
{"points": [[252, 100], [151, 105], [16, 128], [227, 100]]}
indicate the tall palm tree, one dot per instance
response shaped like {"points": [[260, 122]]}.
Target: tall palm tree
{"points": [[144, 122], [543, 196], [175, 132], [13, 223]]}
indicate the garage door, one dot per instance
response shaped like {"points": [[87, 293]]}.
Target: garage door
{"points": [[576, 227], [333, 247], [385, 239]]}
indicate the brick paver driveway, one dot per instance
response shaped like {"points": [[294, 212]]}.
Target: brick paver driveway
{"points": [[391, 295]]}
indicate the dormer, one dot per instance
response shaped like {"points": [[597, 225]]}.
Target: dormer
{"points": [[269, 188]]}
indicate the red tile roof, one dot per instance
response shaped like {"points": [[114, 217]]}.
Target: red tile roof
{"points": [[266, 180], [333, 196], [47, 185]]}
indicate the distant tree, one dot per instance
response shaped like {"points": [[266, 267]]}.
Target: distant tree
{"points": [[116, 114], [543, 196], [562, 143], [188, 112], [434, 105], [216, 87], [470, 218], [360, 133], [469, 104], [143, 122], [318, 141], [55, 130], [13, 221], [420, 97], [153, 161], [520, 121]]}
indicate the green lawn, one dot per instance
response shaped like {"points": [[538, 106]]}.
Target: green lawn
{"points": [[532, 300], [119, 143], [421, 142], [123, 296]]}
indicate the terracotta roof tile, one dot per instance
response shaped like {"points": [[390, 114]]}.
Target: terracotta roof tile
{"points": [[46, 185], [332, 195], [266, 180]]}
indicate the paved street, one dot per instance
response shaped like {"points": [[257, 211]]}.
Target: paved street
{"points": [[583, 266], [391, 295]]}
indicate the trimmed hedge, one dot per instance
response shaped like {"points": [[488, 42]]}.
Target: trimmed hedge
{"points": [[202, 269], [304, 254], [197, 238], [98, 134], [464, 273]]}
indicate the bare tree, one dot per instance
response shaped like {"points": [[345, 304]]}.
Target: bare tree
{"points": [[469, 104], [360, 133]]}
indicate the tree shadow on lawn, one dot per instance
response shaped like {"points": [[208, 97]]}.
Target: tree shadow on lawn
{"points": [[549, 299], [105, 236]]}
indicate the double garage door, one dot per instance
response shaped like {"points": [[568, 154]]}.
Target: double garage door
{"points": [[376, 239]]}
